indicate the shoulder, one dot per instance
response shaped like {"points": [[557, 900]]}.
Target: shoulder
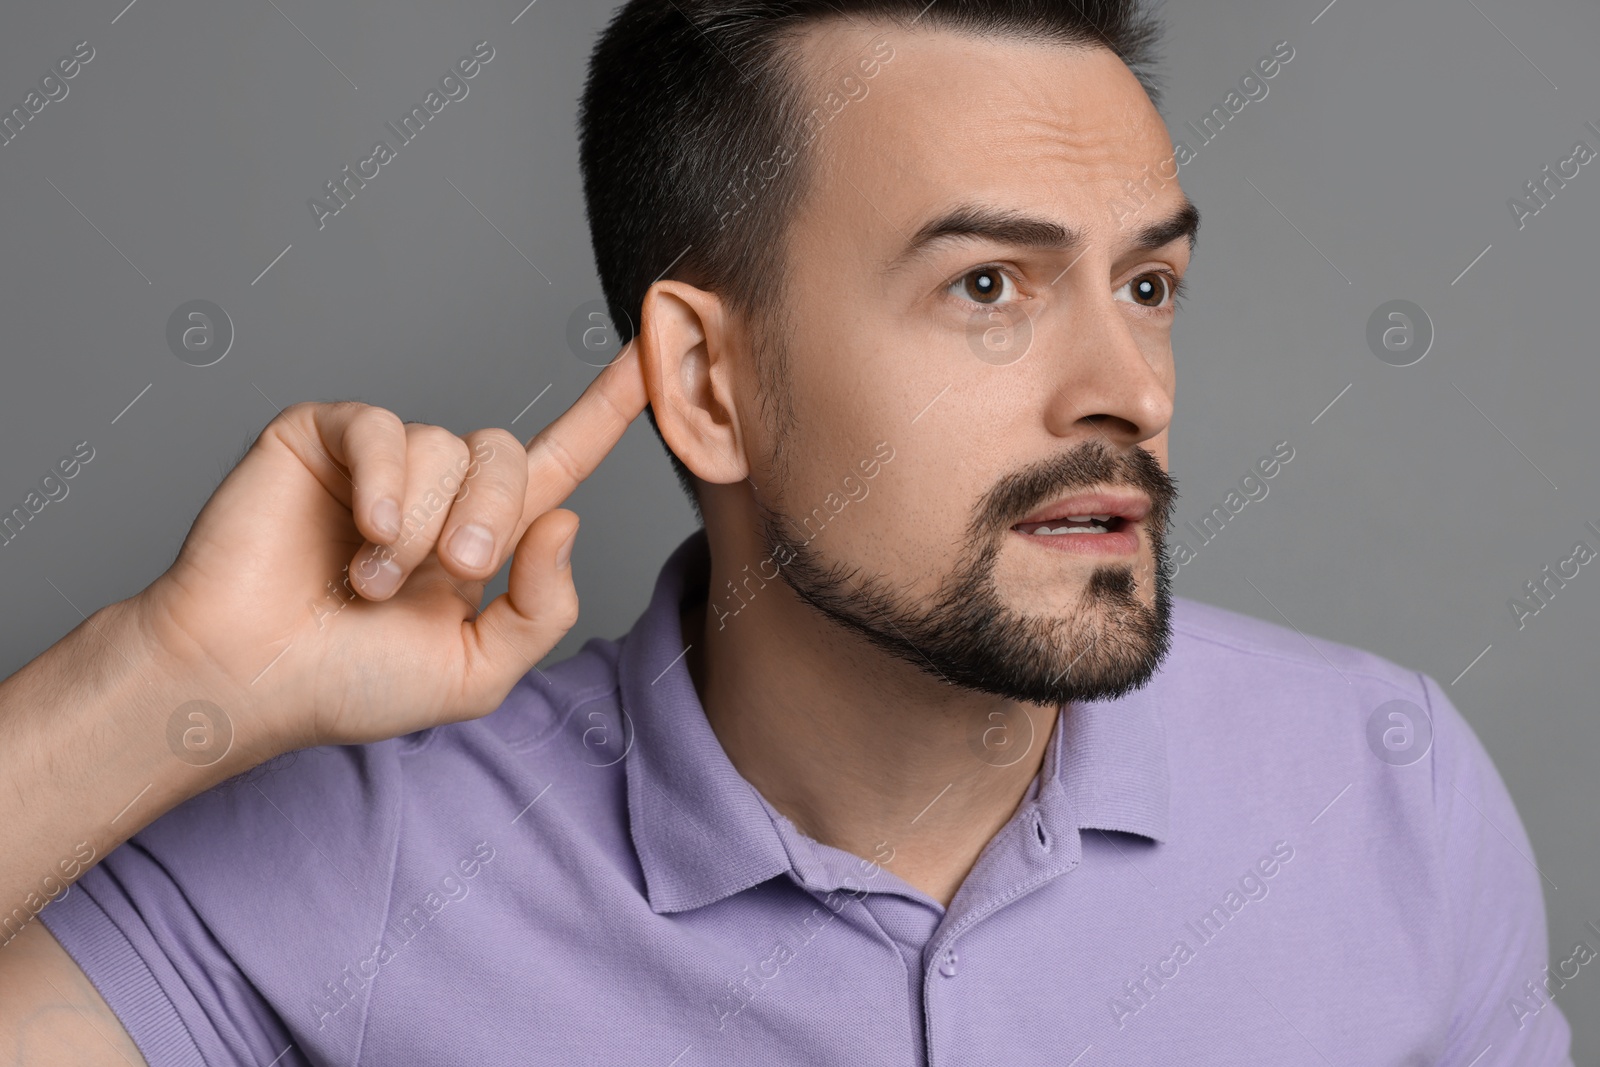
{"points": [[1268, 715], [1366, 767], [1221, 641], [335, 821], [1242, 677], [284, 878], [1367, 761]]}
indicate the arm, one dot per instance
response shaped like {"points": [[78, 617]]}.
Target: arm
{"points": [[297, 614], [85, 757], [1494, 897], [52, 1014]]}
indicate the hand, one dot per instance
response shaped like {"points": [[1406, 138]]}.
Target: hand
{"points": [[326, 593]]}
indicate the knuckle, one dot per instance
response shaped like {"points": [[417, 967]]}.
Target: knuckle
{"points": [[499, 496], [564, 614], [497, 485], [379, 417], [434, 439], [562, 456], [301, 411], [488, 444]]}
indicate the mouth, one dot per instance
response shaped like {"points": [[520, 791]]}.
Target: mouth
{"points": [[1099, 524], [1076, 524]]}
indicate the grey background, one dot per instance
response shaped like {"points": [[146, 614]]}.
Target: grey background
{"points": [[1377, 168]]}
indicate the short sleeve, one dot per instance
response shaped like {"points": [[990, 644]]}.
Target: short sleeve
{"points": [[213, 932], [183, 1001], [1503, 1012]]}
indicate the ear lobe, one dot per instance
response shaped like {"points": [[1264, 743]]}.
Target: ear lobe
{"points": [[688, 350]]}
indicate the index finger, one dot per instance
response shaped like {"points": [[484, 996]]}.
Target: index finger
{"points": [[567, 451]]}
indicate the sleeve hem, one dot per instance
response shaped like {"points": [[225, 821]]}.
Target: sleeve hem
{"points": [[122, 977]]}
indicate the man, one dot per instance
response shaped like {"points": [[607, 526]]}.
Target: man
{"points": [[912, 759]]}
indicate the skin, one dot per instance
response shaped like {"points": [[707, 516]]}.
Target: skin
{"points": [[866, 749], [88, 724], [849, 741]]}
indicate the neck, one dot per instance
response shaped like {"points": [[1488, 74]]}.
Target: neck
{"points": [[860, 750]]}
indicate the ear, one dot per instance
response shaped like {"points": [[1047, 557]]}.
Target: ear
{"points": [[688, 347]]}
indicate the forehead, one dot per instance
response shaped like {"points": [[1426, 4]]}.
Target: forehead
{"points": [[952, 115]]}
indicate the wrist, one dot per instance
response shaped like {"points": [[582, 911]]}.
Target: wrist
{"points": [[92, 746], [202, 716]]}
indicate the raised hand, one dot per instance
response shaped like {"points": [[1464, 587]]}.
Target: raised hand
{"points": [[328, 591]]}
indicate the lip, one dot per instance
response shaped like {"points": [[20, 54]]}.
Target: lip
{"points": [[1130, 506], [1115, 543]]}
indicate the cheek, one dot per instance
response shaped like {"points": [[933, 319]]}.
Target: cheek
{"points": [[915, 519], [852, 387]]}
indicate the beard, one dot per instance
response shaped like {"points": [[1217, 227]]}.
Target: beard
{"points": [[1109, 643]]}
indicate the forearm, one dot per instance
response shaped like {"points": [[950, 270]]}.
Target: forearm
{"points": [[92, 749]]}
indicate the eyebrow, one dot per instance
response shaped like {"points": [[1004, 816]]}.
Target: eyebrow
{"points": [[1023, 231]]}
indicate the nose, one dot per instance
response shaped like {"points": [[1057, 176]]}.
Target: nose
{"points": [[1113, 374]]}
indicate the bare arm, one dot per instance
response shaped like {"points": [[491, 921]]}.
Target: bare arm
{"points": [[86, 760], [52, 1015], [295, 615]]}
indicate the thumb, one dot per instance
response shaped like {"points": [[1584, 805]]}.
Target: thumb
{"points": [[521, 625]]}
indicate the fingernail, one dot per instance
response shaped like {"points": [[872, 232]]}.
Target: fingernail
{"points": [[564, 553], [385, 581], [471, 545], [386, 517]]}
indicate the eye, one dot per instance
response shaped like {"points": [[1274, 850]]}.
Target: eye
{"points": [[1153, 288], [983, 285]]}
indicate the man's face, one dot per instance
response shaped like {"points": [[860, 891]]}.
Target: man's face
{"points": [[1005, 374]]}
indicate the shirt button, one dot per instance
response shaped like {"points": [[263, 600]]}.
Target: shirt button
{"points": [[947, 966]]}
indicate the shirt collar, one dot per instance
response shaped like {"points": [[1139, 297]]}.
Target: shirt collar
{"points": [[702, 832]]}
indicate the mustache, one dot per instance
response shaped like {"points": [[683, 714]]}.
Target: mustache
{"points": [[1094, 465]]}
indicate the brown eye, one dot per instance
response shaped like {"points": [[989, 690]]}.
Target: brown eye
{"points": [[984, 285], [1149, 290]]}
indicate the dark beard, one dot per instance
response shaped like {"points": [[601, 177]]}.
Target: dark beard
{"points": [[1109, 645]]}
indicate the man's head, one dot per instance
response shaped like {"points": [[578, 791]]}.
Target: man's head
{"points": [[849, 224]]}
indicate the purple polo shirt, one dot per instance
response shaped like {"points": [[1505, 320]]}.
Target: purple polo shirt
{"points": [[1248, 860]]}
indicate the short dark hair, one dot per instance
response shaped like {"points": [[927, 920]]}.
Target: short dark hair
{"points": [[684, 98]]}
